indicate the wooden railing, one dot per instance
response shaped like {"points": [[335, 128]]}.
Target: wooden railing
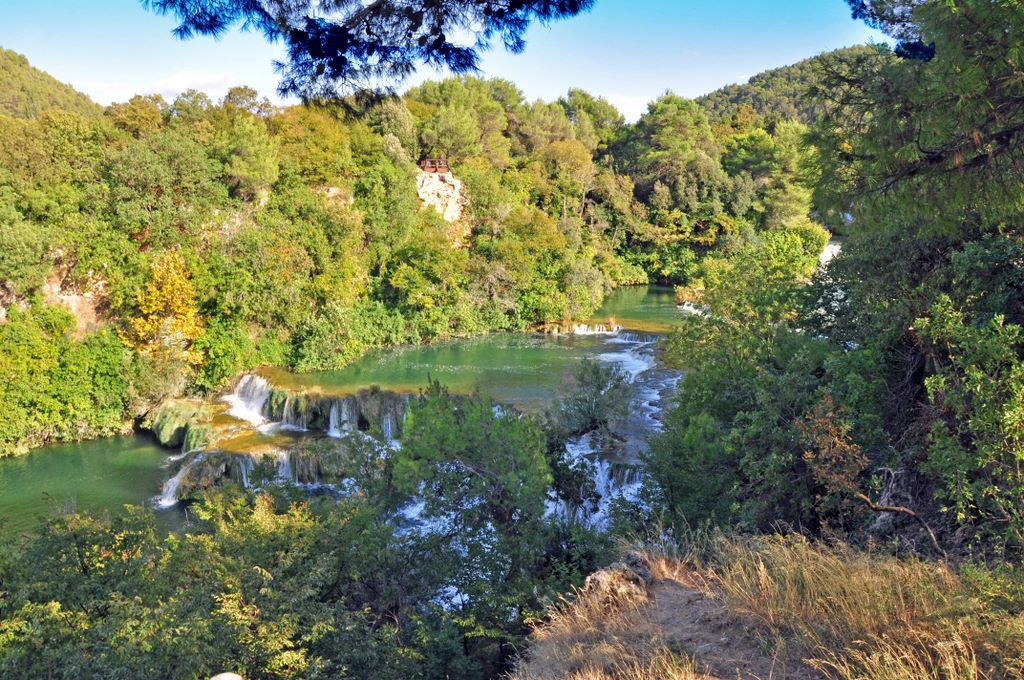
{"points": [[434, 165]]}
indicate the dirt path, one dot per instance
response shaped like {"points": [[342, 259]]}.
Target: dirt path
{"points": [[700, 627]]}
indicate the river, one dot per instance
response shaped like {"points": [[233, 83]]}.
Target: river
{"points": [[522, 369]]}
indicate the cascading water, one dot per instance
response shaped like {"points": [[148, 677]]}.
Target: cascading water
{"points": [[387, 426], [350, 414], [595, 329], [257, 402], [249, 400], [634, 354], [169, 494], [342, 417], [334, 420], [245, 466], [284, 467], [294, 416], [635, 338]]}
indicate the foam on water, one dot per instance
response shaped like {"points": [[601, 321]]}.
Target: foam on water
{"points": [[169, 495], [249, 399], [632, 362]]}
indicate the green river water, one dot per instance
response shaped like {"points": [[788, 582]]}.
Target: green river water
{"points": [[522, 369]]}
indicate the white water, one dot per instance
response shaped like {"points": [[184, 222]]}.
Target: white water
{"points": [[284, 467], [636, 359], [245, 466], [598, 329], [336, 419], [169, 495], [249, 399], [632, 352], [633, 363], [387, 426], [833, 248]]}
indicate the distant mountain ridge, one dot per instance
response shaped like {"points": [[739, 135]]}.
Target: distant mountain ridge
{"points": [[27, 92], [780, 92]]}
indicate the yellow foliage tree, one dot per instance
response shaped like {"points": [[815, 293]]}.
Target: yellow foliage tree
{"points": [[168, 320]]}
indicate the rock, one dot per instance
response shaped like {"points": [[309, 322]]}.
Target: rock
{"points": [[623, 582], [637, 563], [171, 420], [84, 305], [442, 191]]}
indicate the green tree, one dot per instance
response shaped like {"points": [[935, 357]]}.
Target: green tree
{"points": [[139, 116], [250, 157]]}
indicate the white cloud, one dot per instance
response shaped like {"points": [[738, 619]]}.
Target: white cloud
{"points": [[215, 85], [631, 106], [106, 92]]}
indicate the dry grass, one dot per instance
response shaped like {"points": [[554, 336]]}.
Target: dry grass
{"points": [[867, 617], [849, 614], [603, 635]]}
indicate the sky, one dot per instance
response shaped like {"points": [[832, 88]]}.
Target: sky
{"points": [[628, 51]]}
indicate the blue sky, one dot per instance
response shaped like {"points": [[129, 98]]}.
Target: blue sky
{"points": [[628, 51]]}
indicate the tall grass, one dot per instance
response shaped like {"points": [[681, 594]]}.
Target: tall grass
{"points": [[601, 637], [848, 614], [868, 617]]}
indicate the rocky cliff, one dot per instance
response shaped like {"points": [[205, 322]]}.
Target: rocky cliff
{"points": [[444, 192]]}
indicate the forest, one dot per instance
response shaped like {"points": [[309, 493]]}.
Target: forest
{"points": [[211, 237], [867, 414]]}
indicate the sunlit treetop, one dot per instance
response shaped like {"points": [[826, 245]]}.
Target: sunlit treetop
{"points": [[343, 45]]}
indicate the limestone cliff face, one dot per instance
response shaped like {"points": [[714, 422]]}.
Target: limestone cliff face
{"points": [[442, 191], [84, 304]]}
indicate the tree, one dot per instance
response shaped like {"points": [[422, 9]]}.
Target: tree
{"points": [[896, 18], [593, 113], [28, 92], [887, 126], [360, 44], [452, 133], [168, 320], [23, 250], [250, 157], [139, 116], [484, 477]]}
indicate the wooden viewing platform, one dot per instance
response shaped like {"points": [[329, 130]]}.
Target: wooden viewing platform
{"points": [[433, 165]]}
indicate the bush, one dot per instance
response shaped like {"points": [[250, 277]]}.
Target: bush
{"points": [[58, 388]]}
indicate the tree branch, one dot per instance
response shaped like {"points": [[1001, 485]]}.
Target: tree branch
{"points": [[904, 511]]}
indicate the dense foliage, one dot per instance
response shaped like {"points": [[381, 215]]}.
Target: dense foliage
{"points": [[26, 92], [214, 237], [430, 567], [878, 396], [895, 378], [779, 93]]}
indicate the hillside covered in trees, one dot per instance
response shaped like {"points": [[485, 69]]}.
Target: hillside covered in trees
{"points": [[27, 92], [198, 239], [835, 489], [782, 93]]}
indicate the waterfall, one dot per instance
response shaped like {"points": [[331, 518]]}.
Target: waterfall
{"points": [[350, 413], [636, 338], [169, 495], [596, 329], [633, 363], [284, 467], [333, 420], [245, 465], [387, 425], [249, 400], [341, 417]]}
